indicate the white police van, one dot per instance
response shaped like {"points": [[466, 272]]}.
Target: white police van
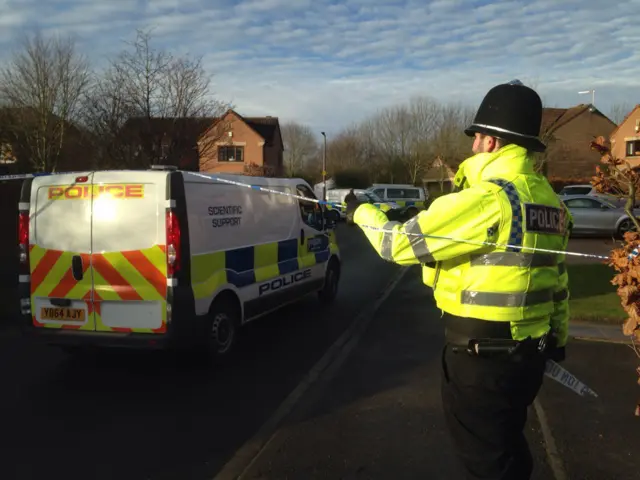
{"points": [[163, 258]]}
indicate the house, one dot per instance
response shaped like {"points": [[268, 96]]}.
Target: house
{"points": [[230, 143], [625, 139], [242, 145], [438, 179], [568, 132], [144, 141], [24, 132]]}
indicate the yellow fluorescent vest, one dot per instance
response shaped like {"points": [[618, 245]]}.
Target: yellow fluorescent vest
{"points": [[502, 201]]}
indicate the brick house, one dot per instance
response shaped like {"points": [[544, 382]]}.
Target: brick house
{"points": [[625, 139], [21, 133], [230, 143], [568, 133], [242, 145], [146, 141]]}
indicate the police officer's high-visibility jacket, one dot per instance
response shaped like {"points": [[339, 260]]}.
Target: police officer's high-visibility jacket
{"points": [[502, 201]]}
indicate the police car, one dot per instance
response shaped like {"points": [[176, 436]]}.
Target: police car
{"points": [[163, 258]]}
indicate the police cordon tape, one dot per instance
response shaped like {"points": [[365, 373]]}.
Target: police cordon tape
{"points": [[552, 369], [422, 235], [336, 204]]}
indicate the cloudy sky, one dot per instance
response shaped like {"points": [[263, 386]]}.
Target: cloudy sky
{"points": [[328, 63]]}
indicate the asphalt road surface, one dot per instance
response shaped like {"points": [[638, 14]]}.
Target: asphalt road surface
{"points": [[144, 416], [380, 416]]}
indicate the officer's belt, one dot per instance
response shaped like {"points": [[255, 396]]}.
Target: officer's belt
{"points": [[459, 330]]}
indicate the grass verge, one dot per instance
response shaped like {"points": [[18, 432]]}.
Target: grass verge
{"points": [[593, 298]]}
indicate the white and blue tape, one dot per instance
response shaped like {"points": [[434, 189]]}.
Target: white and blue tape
{"points": [[322, 202]]}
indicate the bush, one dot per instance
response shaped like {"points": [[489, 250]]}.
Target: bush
{"points": [[351, 179]]}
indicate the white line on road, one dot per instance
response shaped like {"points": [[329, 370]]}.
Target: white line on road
{"points": [[246, 455], [553, 455]]}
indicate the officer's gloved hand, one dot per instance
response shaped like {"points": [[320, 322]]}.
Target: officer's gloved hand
{"points": [[363, 212]]}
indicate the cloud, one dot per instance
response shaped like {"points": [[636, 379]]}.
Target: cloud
{"points": [[329, 63]]}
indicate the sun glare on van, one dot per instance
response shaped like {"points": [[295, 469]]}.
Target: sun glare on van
{"points": [[104, 208]]}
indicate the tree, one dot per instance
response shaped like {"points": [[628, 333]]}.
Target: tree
{"points": [[41, 89], [619, 111], [300, 146], [616, 177], [151, 107]]}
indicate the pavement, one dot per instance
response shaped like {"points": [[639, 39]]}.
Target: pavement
{"points": [[145, 416]]}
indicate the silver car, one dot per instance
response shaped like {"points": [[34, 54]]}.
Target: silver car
{"points": [[596, 216]]}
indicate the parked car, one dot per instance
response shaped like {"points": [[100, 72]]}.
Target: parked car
{"points": [[593, 215], [588, 189]]}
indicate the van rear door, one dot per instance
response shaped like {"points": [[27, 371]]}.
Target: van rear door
{"points": [[60, 252], [128, 251]]}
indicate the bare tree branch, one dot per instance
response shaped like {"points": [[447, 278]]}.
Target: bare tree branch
{"points": [[300, 146], [151, 107], [42, 86]]}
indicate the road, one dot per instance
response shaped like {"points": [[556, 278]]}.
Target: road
{"points": [[144, 416]]}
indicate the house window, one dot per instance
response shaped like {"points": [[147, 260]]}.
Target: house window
{"points": [[633, 148], [231, 154]]}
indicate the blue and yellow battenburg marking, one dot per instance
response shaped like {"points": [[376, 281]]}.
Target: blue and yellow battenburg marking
{"points": [[246, 266]]}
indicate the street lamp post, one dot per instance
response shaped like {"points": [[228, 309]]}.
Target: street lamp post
{"points": [[593, 95], [324, 168]]}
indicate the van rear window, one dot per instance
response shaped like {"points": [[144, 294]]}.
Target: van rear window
{"points": [[128, 220], [62, 219]]}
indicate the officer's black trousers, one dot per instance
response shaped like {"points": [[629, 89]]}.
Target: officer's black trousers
{"points": [[485, 404]]}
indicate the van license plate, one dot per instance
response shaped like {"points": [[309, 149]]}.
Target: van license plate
{"points": [[62, 314]]}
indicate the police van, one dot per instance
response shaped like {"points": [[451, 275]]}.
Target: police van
{"points": [[164, 258], [411, 198]]}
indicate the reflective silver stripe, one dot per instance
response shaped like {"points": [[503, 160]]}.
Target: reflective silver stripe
{"points": [[418, 244], [506, 299], [561, 295], [562, 268], [515, 259], [386, 247]]}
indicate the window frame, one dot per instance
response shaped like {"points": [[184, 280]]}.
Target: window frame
{"points": [[225, 158]]}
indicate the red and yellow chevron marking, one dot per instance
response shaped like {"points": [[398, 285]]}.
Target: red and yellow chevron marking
{"points": [[117, 276]]}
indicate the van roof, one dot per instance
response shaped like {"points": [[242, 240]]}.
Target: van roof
{"points": [[196, 175]]}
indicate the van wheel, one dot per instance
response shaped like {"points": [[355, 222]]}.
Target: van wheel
{"points": [[224, 319], [330, 289]]}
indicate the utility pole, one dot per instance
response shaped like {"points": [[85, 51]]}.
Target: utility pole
{"points": [[324, 168]]}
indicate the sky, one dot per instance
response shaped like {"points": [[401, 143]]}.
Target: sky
{"points": [[330, 63]]}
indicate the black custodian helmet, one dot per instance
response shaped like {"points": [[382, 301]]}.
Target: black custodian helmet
{"points": [[511, 111]]}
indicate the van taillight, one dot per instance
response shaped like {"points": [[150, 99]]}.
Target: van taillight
{"points": [[173, 244], [23, 236]]}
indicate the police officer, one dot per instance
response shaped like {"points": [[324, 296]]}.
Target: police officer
{"points": [[352, 203], [505, 306]]}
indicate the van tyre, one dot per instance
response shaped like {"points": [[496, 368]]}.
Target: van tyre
{"points": [[331, 279], [223, 324]]}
